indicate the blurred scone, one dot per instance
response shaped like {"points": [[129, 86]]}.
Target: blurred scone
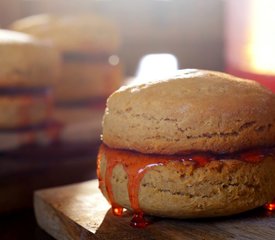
{"points": [[88, 46], [91, 69], [26, 62], [75, 33], [28, 70], [31, 136], [198, 144], [25, 110]]}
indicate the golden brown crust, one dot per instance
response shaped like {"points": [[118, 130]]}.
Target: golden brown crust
{"points": [[24, 111], [195, 110], [72, 33], [26, 62], [220, 188]]}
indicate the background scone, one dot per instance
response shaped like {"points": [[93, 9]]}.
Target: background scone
{"points": [[28, 70], [88, 45], [26, 61], [25, 110], [72, 33], [91, 69], [199, 144]]}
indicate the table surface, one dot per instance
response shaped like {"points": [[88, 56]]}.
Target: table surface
{"points": [[79, 211]]}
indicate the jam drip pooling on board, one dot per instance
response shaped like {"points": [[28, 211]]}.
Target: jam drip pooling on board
{"points": [[136, 164], [270, 206]]}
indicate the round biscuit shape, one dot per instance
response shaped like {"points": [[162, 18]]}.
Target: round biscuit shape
{"points": [[193, 110]]}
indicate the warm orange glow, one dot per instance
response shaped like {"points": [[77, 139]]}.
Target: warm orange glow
{"points": [[117, 211], [270, 206], [260, 49]]}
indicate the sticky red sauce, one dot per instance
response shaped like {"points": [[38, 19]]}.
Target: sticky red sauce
{"points": [[138, 220], [117, 211], [136, 165], [254, 156]]}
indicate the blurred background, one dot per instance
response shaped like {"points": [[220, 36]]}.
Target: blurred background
{"points": [[190, 30], [237, 37]]}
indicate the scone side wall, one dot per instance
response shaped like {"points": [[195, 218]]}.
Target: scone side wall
{"points": [[199, 110], [218, 189]]}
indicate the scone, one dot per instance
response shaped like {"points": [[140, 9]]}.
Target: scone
{"points": [[28, 70], [91, 69], [72, 33], [199, 144], [88, 45], [25, 110], [34, 136], [27, 62]]}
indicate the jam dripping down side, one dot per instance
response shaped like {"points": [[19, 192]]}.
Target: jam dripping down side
{"points": [[136, 164]]}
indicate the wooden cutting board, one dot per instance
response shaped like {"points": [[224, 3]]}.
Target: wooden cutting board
{"points": [[79, 211]]}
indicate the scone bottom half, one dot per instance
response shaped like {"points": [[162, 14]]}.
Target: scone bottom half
{"points": [[226, 168], [186, 186]]}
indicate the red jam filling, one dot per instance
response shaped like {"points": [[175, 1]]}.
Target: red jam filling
{"points": [[138, 220], [136, 164]]}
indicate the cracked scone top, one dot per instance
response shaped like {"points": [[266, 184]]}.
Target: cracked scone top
{"points": [[194, 110]]}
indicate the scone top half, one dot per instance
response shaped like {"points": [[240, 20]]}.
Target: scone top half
{"points": [[196, 110], [26, 61], [72, 33]]}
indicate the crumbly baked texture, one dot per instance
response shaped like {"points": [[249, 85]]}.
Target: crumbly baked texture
{"points": [[194, 110], [91, 80], [24, 111], [75, 33], [220, 188], [26, 61]]}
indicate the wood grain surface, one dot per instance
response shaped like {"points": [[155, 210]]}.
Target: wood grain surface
{"points": [[79, 211]]}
